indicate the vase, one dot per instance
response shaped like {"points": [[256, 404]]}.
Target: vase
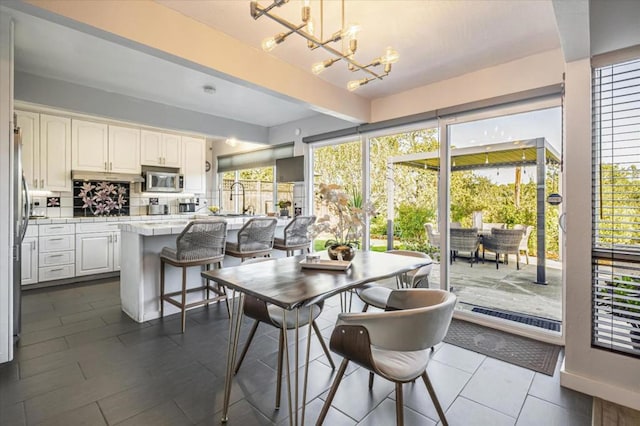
{"points": [[341, 252]]}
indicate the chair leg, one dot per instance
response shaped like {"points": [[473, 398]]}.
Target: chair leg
{"points": [[434, 398], [332, 392], [399, 405], [184, 298], [497, 259], [207, 267], [281, 350], [371, 377], [366, 306], [323, 344], [246, 346], [161, 288]]}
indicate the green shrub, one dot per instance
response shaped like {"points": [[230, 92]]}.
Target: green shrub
{"points": [[410, 220]]}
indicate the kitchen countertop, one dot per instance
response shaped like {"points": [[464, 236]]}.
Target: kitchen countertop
{"points": [[173, 226]]}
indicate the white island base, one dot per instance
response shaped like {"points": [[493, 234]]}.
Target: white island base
{"points": [[140, 266]]}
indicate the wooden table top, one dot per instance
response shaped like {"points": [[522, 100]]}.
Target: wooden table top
{"points": [[283, 281]]}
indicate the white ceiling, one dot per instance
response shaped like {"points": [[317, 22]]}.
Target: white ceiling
{"points": [[436, 40]]}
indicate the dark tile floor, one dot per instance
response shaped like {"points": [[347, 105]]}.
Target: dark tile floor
{"points": [[82, 361]]}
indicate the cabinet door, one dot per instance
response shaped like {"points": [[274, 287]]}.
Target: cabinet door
{"points": [[193, 163], [89, 149], [151, 148], [29, 261], [171, 145], [124, 149], [55, 153], [116, 250], [94, 253], [29, 123]]}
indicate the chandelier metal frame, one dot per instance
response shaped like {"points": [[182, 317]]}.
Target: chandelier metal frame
{"points": [[305, 30]]}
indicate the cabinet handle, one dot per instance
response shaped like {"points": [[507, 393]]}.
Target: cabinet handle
{"points": [[110, 239], [105, 166], [33, 245], [56, 239], [56, 227], [110, 166], [56, 255], [41, 183], [115, 238], [35, 183], [160, 160], [57, 270]]}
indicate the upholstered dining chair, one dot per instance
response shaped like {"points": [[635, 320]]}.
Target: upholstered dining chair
{"points": [[255, 239], [373, 341], [262, 312], [201, 243], [524, 242], [464, 240], [296, 235], [433, 237], [503, 242], [377, 295]]}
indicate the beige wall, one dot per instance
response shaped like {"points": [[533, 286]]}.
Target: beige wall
{"points": [[534, 71], [596, 372]]}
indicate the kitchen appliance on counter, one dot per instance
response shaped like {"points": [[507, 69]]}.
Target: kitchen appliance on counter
{"points": [[186, 205], [155, 209], [168, 180], [21, 213]]}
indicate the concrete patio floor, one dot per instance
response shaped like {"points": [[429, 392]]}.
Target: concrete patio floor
{"points": [[506, 288]]}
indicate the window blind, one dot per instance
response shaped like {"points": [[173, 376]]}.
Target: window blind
{"points": [[616, 208], [254, 159]]}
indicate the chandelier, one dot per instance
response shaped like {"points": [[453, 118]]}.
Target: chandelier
{"points": [[347, 35]]}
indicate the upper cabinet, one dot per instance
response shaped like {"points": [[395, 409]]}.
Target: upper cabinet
{"points": [[100, 147], [124, 149], [160, 149], [46, 150], [193, 164]]}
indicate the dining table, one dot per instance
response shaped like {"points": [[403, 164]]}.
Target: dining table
{"points": [[293, 283]]}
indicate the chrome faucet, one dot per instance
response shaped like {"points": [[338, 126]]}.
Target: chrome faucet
{"points": [[244, 210]]}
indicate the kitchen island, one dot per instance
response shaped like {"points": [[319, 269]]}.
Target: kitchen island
{"points": [[140, 264]]}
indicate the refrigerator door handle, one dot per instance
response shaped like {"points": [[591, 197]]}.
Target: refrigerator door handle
{"points": [[26, 209]]}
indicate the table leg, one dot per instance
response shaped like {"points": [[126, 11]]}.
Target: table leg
{"points": [[306, 364], [235, 321], [287, 364]]}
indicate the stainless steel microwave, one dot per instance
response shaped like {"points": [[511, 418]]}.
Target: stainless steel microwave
{"points": [[155, 181]]}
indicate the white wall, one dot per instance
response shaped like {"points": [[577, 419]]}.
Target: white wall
{"points": [[534, 71], [296, 130], [596, 372]]}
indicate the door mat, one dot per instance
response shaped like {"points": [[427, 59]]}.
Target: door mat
{"points": [[522, 351], [522, 318]]}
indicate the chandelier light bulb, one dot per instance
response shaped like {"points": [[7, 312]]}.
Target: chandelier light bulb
{"points": [[353, 85], [317, 68], [351, 32], [390, 56], [268, 44]]}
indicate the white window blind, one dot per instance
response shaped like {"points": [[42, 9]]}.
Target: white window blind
{"points": [[254, 159], [616, 208]]}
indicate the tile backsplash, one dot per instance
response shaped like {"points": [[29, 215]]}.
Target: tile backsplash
{"points": [[92, 198]]}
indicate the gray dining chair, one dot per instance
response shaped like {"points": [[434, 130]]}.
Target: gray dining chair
{"points": [[263, 312], [377, 295], [433, 237], [201, 243], [255, 239], [295, 236], [464, 240], [373, 340], [503, 242]]}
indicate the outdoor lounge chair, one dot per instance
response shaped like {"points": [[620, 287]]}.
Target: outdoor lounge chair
{"points": [[464, 240], [503, 241]]}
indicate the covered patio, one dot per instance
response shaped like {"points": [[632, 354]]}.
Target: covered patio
{"points": [[536, 152]]}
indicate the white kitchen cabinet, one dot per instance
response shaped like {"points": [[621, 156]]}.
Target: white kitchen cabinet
{"points": [[55, 153], [56, 251], [29, 123], [99, 147], [97, 252], [46, 150], [90, 147], [29, 260], [160, 149], [193, 164], [124, 149]]}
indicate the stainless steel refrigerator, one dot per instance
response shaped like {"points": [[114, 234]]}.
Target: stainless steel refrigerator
{"points": [[21, 213]]}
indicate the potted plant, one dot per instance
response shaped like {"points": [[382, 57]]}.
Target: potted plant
{"points": [[346, 223], [624, 301], [284, 207]]}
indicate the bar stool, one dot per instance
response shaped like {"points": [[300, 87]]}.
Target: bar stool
{"points": [[296, 236], [201, 243], [255, 238]]}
